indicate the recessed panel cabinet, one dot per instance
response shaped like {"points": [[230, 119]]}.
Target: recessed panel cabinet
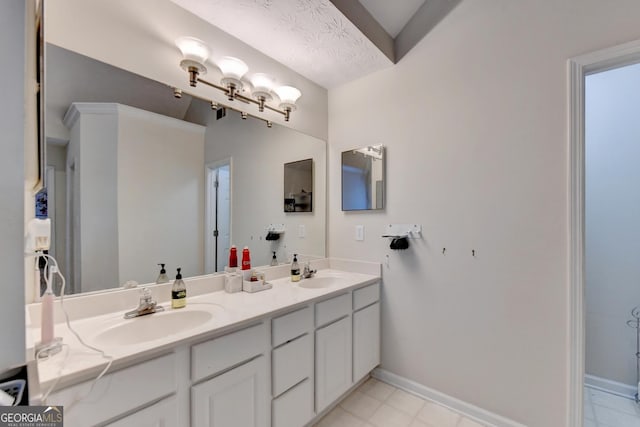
{"points": [[333, 362], [366, 340], [239, 397]]}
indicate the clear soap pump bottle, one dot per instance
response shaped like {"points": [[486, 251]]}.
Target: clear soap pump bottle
{"points": [[178, 292], [274, 260], [162, 277], [295, 269]]}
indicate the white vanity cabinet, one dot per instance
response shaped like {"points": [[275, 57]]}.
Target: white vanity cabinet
{"points": [[366, 340], [333, 350], [366, 330], [279, 370], [292, 368], [238, 396], [161, 414], [119, 393]]}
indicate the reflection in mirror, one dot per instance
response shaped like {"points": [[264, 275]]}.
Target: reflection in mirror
{"points": [[363, 178], [138, 177], [298, 186]]}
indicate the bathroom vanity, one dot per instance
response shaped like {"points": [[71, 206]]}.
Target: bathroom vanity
{"points": [[276, 358]]}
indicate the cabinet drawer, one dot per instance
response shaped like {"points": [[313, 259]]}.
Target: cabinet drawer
{"points": [[365, 296], [119, 392], [333, 309], [295, 407], [292, 363], [163, 413], [211, 357], [291, 325]]}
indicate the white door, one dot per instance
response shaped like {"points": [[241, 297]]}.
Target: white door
{"points": [[366, 341], [218, 215], [333, 362], [239, 398]]}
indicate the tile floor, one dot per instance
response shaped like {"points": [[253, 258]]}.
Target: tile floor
{"points": [[377, 404], [603, 409]]}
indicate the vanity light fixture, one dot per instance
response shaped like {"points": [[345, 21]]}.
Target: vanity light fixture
{"points": [[233, 69], [195, 53], [262, 86], [244, 116], [288, 96]]}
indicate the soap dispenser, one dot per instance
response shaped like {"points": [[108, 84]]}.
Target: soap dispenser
{"points": [[274, 260], [162, 277], [295, 269], [178, 292]]}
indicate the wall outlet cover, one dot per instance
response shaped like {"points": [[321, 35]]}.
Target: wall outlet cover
{"points": [[302, 231], [359, 233]]}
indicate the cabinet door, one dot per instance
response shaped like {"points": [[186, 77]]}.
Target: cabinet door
{"points": [[333, 362], [236, 398], [161, 414], [366, 341]]}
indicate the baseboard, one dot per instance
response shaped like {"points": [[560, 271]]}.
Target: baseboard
{"points": [[613, 387], [481, 415]]}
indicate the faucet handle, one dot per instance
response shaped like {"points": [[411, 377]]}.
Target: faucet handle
{"points": [[145, 294]]}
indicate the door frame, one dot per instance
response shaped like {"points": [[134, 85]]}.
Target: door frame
{"points": [[208, 246], [578, 68]]}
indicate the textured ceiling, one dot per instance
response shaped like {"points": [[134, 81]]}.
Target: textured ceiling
{"points": [[311, 37]]}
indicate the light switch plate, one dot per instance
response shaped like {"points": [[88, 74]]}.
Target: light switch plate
{"points": [[359, 233], [302, 231]]}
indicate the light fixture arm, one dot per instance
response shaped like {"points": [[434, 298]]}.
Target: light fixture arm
{"points": [[232, 94]]}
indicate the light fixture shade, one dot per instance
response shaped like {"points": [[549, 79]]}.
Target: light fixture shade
{"points": [[261, 82], [193, 49], [288, 95], [262, 86], [233, 68]]}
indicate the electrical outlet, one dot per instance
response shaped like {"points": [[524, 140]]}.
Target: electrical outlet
{"points": [[302, 231], [359, 233]]}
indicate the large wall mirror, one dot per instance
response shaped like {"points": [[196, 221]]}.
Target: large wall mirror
{"points": [[137, 177], [363, 178]]}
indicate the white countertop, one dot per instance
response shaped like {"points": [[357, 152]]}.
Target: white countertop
{"points": [[75, 363]]}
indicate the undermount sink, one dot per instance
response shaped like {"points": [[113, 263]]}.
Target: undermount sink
{"points": [[319, 282], [151, 327]]}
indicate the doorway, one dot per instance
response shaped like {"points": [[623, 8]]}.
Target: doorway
{"points": [[612, 245], [581, 402], [217, 215]]}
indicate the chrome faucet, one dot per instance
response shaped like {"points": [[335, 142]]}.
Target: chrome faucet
{"points": [[146, 306], [308, 273]]}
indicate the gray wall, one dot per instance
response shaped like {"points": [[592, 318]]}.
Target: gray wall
{"points": [[12, 87], [612, 221]]}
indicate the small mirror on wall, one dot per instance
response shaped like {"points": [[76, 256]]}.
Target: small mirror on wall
{"points": [[298, 186], [363, 178]]}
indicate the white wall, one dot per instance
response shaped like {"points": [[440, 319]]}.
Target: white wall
{"points": [[475, 121], [94, 138], [258, 157], [144, 43], [13, 46], [612, 206], [57, 158], [160, 195]]}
